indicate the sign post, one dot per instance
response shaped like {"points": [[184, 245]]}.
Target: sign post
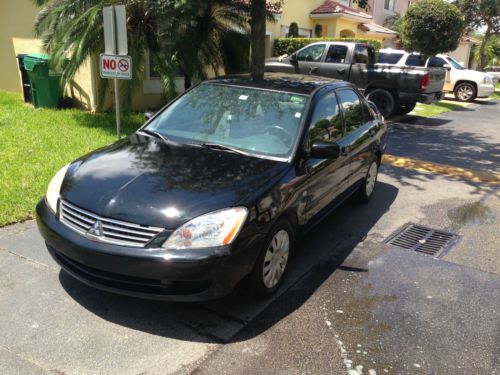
{"points": [[114, 63]]}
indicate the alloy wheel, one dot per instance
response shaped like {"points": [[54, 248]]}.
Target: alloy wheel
{"points": [[276, 258], [465, 92], [371, 179]]}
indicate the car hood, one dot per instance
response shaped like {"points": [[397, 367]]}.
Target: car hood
{"points": [[147, 181], [472, 75]]}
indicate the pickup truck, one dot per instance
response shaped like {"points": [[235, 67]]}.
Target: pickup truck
{"points": [[394, 89], [465, 84]]}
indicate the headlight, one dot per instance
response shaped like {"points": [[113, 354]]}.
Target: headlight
{"points": [[54, 188], [217, 228], [487, 80]]}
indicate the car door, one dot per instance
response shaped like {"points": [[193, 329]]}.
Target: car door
{"points": [[361, 128], [327, 178], [335, 64], [309, 58], [360, 59], [438, 62]]}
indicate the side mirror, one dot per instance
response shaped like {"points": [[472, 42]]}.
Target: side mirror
{"points": [[148, 115], [325, 150], [447, 67], [293, 58], [373, 106]]}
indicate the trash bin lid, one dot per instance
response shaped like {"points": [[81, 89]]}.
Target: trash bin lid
{"points": [[33, 59]]}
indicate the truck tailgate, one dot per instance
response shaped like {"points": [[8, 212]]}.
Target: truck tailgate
{"points": [[437, 77]]}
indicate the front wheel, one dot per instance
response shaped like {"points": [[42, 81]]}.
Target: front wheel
{"points": [[405, 108], [368, 185], [384, 101], [465, 92], [271, 265]]}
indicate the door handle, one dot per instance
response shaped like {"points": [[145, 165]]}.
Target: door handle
{"points": [[341, 71], [313, 70], [344, 151]]}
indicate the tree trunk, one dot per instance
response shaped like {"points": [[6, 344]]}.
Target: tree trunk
{"points": [[482, 57], [258, 29]]}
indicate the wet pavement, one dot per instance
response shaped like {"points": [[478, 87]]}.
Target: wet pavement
{"points": [[350, 304]]}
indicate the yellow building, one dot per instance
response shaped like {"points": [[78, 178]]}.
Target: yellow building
{"points": [[320, 18], [17, 17]]}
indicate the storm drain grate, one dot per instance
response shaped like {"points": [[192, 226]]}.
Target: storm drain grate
{"points": [[423, 240]]}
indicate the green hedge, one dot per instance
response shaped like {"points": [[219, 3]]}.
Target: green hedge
{"points": [[290, 45]]}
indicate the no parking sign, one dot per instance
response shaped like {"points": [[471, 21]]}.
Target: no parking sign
{"points": [[113, 66]]}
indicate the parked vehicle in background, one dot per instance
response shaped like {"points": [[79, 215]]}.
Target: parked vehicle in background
{"points": [[216, 186], [465, 84], [493, 72], [395, 90]]}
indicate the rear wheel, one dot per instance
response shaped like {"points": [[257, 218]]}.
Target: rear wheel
{"points": [[271, 265], [465, 92], [405, 108], [368, 185], [384, 101]]}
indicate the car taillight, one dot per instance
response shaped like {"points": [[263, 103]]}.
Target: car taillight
{"points": [[424, 82]]}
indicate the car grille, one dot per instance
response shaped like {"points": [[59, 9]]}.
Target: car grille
{"points": [[111, 231]]}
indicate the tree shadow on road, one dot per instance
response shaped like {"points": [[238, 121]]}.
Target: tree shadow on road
{"points": [[317, 255]]}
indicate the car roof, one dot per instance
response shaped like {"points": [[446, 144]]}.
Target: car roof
{"points": [[286, 82]]}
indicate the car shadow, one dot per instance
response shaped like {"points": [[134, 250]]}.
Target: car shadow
{"points": [[317, 255]]}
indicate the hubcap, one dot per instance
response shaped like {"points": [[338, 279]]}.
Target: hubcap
{"points": [[465, 92], [276, 258], [371, 179]]}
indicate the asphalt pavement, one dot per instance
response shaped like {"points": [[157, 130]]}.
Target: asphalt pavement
{"points": [[350, 305]]}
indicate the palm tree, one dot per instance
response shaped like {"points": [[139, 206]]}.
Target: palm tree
{"points": [[181, 36]]}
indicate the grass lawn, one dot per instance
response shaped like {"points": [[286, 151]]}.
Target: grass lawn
{"points": [[428, 110], [496, 94], [35, 143]]}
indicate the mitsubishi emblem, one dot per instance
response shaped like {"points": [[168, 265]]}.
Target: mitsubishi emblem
{"points": [[96, 229]]}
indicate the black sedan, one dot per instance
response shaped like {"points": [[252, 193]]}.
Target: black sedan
{"points": [[216, 186]]}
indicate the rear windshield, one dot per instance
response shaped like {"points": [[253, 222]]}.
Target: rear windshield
{"points": [[255, 121], [389, 57]]}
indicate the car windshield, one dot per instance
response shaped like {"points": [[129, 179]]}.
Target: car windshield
{"points": [[455, 63], [254, 121], [389, 57]]}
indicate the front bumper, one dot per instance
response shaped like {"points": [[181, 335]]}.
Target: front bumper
{"points": [[194, 275], [484, 91]]}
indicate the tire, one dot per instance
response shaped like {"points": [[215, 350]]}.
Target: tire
{"points": [[405, 108], [465, 92], [384, 101], [369, 182], [264, 283]]}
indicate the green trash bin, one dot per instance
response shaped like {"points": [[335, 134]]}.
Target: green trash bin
{"points": [[45, 83]]}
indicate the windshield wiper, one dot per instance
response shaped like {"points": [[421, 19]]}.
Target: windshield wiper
{"points": [[218, 146], [156, 134]]}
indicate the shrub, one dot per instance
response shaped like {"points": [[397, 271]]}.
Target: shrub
{"points": [[293, 30], [431, 27], [290, 45]]}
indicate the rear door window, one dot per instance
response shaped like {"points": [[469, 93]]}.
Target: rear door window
{"points": [[389, 58], [336, 54], [361, 54]]}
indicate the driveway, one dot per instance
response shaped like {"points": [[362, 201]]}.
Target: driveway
{"points": [[351, 303]]}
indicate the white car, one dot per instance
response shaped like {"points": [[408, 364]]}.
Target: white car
{"points": [[466, 84], [493, 72]]}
